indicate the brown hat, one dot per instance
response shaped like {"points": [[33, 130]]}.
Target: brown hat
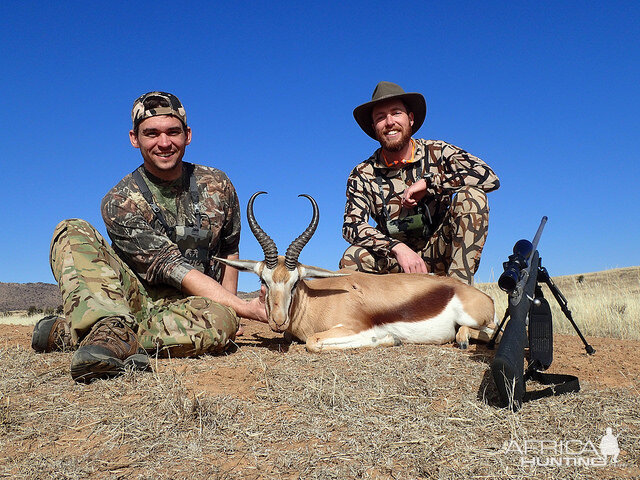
{"points": [[386, 91]]}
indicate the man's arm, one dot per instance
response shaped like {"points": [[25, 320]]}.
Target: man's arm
{"points": [[463, 169], [229, 277], [197, 283], [359, 206], [409, 261], [357, 231], [456, 168]]}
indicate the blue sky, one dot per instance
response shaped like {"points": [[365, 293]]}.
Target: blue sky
{"points": [[545, 92]]}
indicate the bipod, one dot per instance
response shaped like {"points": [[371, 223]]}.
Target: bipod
{"points": [[544, 276], [492, 343]]}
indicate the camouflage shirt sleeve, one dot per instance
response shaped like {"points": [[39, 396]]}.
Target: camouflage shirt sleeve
{"points": [[140, 240], [360, 206], [453, 167], [230, 232], [140, 243]]}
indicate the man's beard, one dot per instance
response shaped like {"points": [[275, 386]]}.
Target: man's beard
{"points": [[395, 145]]}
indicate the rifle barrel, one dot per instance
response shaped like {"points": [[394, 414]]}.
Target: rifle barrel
{"points": [[536, 239]]}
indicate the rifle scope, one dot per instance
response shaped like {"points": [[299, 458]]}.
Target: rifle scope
{"points": [[519, 261]]}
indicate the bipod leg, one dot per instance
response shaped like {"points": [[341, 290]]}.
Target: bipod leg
{"points": [[492, 343], [544, 276]]}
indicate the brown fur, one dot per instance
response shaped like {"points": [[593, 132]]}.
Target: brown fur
{"points": [[428, 304], [362, 300]]}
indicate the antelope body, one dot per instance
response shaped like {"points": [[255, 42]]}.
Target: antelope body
{"points": [[347, 309]]}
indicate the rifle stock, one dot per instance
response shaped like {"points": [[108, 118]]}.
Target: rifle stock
{"points": [[507, 367]]}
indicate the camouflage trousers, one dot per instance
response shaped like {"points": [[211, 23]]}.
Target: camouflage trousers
{"points": [[454, 249], [95, 283]]}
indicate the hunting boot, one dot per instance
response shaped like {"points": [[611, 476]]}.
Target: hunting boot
{"points": [[51, 334], [108, 350]]}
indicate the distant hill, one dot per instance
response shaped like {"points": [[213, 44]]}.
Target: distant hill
{"points": [[21, 296]]}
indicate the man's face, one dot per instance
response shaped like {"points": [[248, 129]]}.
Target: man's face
{"points": [[162, 141], [392, 125]]}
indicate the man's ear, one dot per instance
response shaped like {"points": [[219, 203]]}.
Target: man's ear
{"points": [[133, 138], [411, 118], [187, 130]]}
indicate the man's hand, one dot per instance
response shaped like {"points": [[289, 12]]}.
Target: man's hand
{"points": [[409, 261], [414, 194], [197, 283], [259, 305]]}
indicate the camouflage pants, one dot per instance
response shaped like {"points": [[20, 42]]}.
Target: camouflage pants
{"points": [[95, 283], [454, 249]]}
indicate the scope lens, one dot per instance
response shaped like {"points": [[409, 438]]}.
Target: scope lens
{"points": [[509, 279], [523, 247]]}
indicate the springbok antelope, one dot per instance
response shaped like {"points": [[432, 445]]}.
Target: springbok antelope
{"points": [[347, 309]]}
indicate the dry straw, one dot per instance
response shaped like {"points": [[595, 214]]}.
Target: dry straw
{"points": [[412, 412], [603, 304]]}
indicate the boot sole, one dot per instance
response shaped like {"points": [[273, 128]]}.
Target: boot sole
{"points": [[40, 338]]}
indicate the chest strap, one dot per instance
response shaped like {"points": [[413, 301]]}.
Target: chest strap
{"points": [[148, 196]]}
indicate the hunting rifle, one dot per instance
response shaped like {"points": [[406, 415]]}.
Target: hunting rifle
{"points": [[527, 307]]}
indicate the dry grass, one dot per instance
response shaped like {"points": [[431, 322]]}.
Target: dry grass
{"points": [[20, 319], [412, 412], [402, 413], [603, 304]]}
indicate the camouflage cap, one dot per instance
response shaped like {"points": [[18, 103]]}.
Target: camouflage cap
{"points": [[157, 103]]}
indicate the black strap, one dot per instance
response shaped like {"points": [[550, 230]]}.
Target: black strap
{"points": [[193, 191], [148, 196], [560, 384], [146, 193], [385, 212]]}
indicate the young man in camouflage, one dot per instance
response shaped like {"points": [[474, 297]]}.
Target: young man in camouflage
{"points": [[427, 197], [157, 289]]}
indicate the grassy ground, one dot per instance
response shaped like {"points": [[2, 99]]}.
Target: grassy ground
{"points": [[271, 410], [402, 413]]}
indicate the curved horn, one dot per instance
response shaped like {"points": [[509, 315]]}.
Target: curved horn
{"points": [[293, 252], [268, 245]]}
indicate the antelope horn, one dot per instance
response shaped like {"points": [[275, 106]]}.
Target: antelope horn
{"points": [[293, 252], [268, 245]]}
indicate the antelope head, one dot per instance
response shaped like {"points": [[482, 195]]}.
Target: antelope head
{"points": [[280, 275]]}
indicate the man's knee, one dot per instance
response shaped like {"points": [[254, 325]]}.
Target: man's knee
{"points": [[77, 227], [470, 200], [190, 327], [358, 259]]}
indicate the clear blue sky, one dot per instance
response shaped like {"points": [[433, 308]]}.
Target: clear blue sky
{"points": [[545, 92]]}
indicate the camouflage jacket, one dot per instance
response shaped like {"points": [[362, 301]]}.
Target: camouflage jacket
{"points": [[139, 238], [449, 168]]}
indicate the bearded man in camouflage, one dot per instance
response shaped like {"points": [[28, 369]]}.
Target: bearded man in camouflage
{"points": [[427, 197], [158, 288]]}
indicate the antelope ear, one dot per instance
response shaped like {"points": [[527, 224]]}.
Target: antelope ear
{"points": [[306, 271], [242, 265]]}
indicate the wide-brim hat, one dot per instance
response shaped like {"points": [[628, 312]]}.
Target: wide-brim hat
{"points": [[390, 91]]}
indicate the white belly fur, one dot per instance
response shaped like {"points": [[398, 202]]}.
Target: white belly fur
{"points": [[436, 330]]}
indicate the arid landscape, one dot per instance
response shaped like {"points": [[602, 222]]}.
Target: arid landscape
{"points": [[270, 410]]}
